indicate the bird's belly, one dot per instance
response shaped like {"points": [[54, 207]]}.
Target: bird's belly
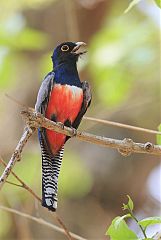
{"points": [[64, 104]]}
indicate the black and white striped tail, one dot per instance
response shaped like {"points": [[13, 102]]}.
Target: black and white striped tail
{"points": [[50, 172]]}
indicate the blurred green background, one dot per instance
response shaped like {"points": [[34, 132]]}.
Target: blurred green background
{"points": [[122, 66]]}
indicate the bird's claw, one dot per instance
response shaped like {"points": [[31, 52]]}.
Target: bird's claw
{"points": [[74, 132], [60, 124]]}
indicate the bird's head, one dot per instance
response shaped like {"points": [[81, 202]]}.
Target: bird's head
{"points": [[67, 52]]}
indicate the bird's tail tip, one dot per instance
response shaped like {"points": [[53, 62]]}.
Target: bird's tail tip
{"points": [[51, 204]]}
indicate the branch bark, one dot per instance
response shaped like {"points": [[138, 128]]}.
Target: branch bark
{"points": [[125, 146], [16, 156], [35, 120], [121, 125], [25, 186], [40, 221]]}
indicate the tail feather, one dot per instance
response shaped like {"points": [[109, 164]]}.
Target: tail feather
{"points": [[50, 172]]}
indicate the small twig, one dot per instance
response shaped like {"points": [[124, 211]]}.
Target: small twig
{"points": [[40, 221], [97, 120], [23, 185], [16, 101], [22, 182], [116, 124], [35, 120], [125, 146], [15, 184], [135, 219], [16, 155], [157, 236]]}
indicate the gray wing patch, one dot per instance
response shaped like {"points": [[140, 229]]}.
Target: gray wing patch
{"points": [[44, 93], [87, 96]]}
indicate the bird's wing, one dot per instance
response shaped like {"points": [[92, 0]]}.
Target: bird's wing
{"points": [[44, 93], [87, 96], [42, 102]]}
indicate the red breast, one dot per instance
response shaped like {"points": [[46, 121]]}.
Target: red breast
{"points": [[65, 103]]}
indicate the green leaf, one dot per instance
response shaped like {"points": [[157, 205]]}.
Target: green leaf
{"points": [[119, 230], [149, 221], [131, 5], [148, 239], [121, 218], [129, 205], [159, 136], [158, 2]]}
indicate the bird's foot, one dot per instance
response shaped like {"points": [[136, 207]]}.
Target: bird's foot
{"points": [[74, 132], [60, 124]]}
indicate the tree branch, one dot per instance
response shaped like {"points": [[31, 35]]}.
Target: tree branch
{"points": [[125, 146], [25, 186], [35, 120], [116, 124], [40, 221], [16, 156]]}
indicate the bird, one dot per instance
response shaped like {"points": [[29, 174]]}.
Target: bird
{"points": [[62, 98]]}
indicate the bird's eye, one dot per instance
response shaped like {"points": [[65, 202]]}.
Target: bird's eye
{"points": [[65, 48]]}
